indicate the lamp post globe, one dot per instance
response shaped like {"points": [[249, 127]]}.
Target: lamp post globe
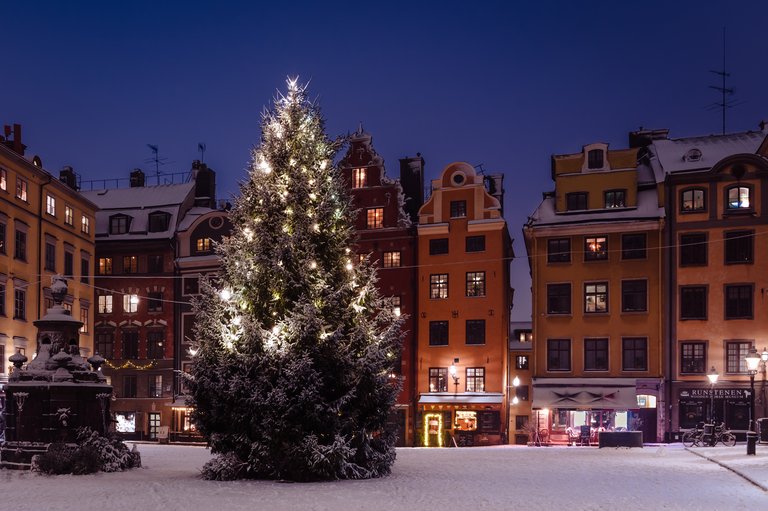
{"points": [[712, 375]]}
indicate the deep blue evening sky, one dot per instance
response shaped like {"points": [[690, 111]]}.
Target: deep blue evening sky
{"points": [[503, 84]]}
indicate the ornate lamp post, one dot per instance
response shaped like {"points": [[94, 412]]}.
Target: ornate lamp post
{"points": [[455, 377], [713, 376], [753, 361]]}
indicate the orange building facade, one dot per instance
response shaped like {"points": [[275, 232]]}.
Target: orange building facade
{"points": [[594, 249], [464, 298]]}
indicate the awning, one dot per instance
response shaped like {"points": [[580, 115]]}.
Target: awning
{"points": [[465, 398], [613, 393]]}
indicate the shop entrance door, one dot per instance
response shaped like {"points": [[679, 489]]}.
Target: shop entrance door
{"points": [[647, 417], [154, 424]]}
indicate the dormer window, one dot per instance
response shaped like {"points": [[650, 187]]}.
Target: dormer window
{"points": [[692, 155], [576, 201], [359, 178], [738, 197], [596, 159], [615, 198], [119, 224], [158, 221]]}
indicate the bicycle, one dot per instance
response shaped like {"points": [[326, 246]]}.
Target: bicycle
{"points": [[709, 435]]}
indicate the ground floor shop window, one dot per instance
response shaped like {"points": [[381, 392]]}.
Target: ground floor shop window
{"points": [[126, 422], [466, 420], [154, 425]]}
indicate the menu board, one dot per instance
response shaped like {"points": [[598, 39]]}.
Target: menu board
{"points": [[489, 421]]}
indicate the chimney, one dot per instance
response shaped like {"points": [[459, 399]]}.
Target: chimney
{"points": [[13, 143], [205, 185], [68, 177], [764, 125], [412, 181], [137, 178], [494, 184]]}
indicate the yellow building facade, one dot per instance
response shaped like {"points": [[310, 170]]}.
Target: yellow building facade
{"points": [[46, 228]]}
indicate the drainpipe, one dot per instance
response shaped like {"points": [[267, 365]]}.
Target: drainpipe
{"points": [[40, 265]]}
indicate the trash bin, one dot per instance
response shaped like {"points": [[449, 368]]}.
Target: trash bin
{"points": [[762, 428], [751, 442]]}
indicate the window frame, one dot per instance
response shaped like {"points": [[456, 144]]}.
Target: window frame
{"points": [[628, 252], [628, 293], [20, 245], [359, 177], [737, 358], [129, 344], [553, 297], [105, 339], [105, 266], [130, 264], [728, 308], [458, 208], [475, 379], [695, 360], [600, 251], [693, 200], [50, 204], [22, 188], [391, 259], [596, 294], [20, 302], [156, 344], [627, 351], [556, 252], [374, 218], [475, 284], [474, 332], [616, 198], [69, 215], [696, 293], [474, 243], [438, 286], [739, 247], [595, 159], [575, 199], [439, 333], [438, 246], [158, 219], [120, 224], [438, 379], [130, 306], [596, 346], [105, 304], [729, 208], [562, 347], [687, 255]]}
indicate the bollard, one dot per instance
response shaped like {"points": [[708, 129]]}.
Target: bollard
{"points": [[751, 443]]}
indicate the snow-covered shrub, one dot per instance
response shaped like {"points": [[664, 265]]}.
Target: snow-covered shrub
{"points": [[224, 467], [114, 455]]}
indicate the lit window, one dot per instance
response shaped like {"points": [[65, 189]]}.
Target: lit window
{"points": [[130, 303], [395, 300], [85, 225], [3, 180], [50, 205], [69, 215], [596, 297], [693, 200], [203, 245], [438, 286], [476, 283], [105, 304], [375, 218], [84, 319], [20, 303], [21, 189], [615, 199], [358, 178], [475, 379], [156, 385], [392, 259], [105, 266], [595, 249], [738, 197], [438, 379]]}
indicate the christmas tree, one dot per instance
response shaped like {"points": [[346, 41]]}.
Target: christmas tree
{"points": [[293, 377]]}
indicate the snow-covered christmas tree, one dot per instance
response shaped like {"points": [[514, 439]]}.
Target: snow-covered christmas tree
{"points": [[293, 377]]}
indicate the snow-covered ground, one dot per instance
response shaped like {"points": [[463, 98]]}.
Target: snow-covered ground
{"points": [[479, 478]]}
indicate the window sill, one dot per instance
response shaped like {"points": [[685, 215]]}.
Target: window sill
{"points": [[635, 313]]}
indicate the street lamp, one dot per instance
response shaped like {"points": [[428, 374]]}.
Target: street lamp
{"points": [[455, 377], [764, 359], [753, 361], [515, 384], [712, 375]]}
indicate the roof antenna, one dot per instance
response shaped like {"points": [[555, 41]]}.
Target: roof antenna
{"points": [[724, 103], [201, 148], [156, 159]]}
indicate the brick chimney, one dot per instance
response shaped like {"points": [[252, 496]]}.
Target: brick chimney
{"points": [[12, 139], [137, 178]]}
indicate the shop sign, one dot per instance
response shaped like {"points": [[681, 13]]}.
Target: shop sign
{"points": [[703, 393]]}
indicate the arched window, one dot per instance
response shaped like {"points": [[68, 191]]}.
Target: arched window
{"points": [[693, 199], [739, 197]]}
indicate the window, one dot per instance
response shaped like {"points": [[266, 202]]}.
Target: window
{"points": [[476, 283], [693, 249], [156, 344], [129, 386], [615, 198], [475, 379], [155, 301], [558, 298], [392, 259], [475, 330], [50, 204], [20, 246], [596, 248], [738, 197], [159, 221], [596, 297], [595, 159], [559, 250], [105, 304], [438, 333], [521, 362], [634, 295], [4, 187], [633, 246], [105, 266], [156, 386], [558, 354], [375, 218], [69, 215], [692, 200], [105, 344], [693, 302], [130, 303], [576, 201], [693, 357], [119, 224], [359, 178], [458, 208], [634, 351], [475, 244], [155, 264], [395, 301], [735, 351], [438, 246], [738, 301], [438, 379], [84, 319], [130, 344], [438, 286], [203, 245], [153, 418], [739, 247], [85, 225], [20, 303], [85, 269], [596, 354], [50, 256], [130, 264], [2, 241], [69, 264], [21, 189]]}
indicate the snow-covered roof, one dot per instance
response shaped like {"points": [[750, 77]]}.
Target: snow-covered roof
{"points": [[647, 208], [700, 153]]}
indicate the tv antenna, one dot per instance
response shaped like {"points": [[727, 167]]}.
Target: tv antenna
{"points": [[201, 148], [156, 158], [725, 103]]}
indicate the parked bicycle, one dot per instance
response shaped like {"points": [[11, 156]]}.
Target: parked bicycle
{"points": [[709, 435]]}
